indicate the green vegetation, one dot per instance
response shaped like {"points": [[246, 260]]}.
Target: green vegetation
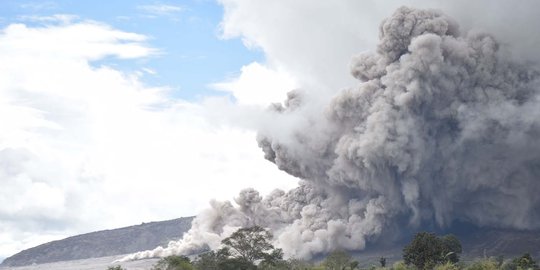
{"points": [[382, 261], [524, 262], [249, 245], [245, 249], [339, 260], [428, 250], [487, 264], [250, 249], [174, 262], [116, 267]]}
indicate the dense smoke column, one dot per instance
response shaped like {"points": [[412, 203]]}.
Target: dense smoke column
{"points": [[443, 127]]}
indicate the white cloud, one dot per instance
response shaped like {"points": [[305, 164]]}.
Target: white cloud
{"points": [[312, 40], [56, 18], [85, 41], [160, 9], [85, 147], [258, 85], [38, 6]]}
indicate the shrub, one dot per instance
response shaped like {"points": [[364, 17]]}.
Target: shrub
{"points": [[523, 262], [297, 264], [337, 260], [401, 266], [116, 267], [210, 260], [447, 266], [487, 264], [173, 262]]}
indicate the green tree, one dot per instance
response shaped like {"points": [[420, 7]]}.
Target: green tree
{"points": [[353, 265], [274, 260], [400, 265], [252, 245], [337, 260], [243, 250], [427, 250], [221, 259], [382, 261], [486, 264], [174, 262], [500, 261], [249, 244], [525, 262], [274, 264], [236, 264], [298, 264], [447, 266], [115, 267], [424, 251], [211, 260], [451, 248]]}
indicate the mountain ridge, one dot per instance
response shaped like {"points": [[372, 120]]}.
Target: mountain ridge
{"points": [[103, 243]]}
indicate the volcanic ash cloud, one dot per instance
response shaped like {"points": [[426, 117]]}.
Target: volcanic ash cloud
{"points": [[443, 127]]}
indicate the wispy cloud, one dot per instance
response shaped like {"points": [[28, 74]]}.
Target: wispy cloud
{"points": [[56, 18], [43, 5], [123, 18], [160, 9]]}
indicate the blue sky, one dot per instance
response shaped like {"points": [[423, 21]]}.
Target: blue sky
{"points": [[191, 52]]}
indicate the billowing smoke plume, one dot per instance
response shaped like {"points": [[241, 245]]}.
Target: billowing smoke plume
{"points": [[443, 127]]}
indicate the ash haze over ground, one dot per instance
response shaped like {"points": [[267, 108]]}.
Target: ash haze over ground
{"points": [[108, 122], [442, 128]]}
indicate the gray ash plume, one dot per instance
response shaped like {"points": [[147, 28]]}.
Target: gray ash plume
{"points": [[443, 127]]}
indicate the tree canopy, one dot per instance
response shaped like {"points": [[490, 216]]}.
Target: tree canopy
{"points": [[338, 260], [251, 244], [524, 262], [174, 262], [427, 250], [244, 249]]}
